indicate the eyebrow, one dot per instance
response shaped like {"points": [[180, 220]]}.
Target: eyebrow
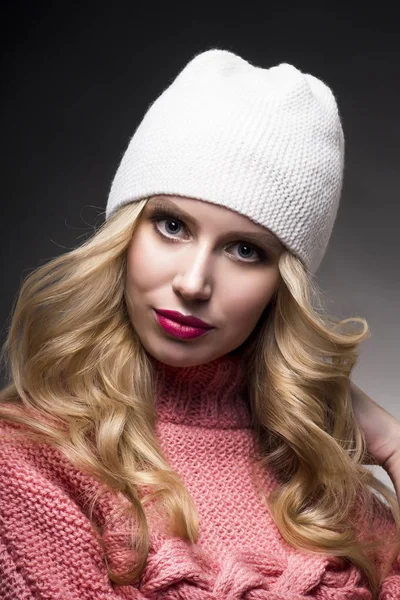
{"points": [[266, 238]]}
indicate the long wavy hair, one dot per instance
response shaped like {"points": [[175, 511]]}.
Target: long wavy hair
{"points": [[79, 379]]}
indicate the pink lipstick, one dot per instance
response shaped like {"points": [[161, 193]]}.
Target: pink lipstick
{"points": [[181, 326]]}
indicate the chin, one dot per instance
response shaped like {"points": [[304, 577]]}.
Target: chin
{"points": [[181, 359], [183, 362]]}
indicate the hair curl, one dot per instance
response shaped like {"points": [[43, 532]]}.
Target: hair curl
{"points": [[69, 330]]}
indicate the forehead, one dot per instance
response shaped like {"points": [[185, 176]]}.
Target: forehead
{"points": [[193, 210]]}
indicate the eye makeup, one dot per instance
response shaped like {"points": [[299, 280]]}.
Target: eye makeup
{"points": [[266, 239], [162, 212]]}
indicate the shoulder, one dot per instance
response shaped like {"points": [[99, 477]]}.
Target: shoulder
{"points": [[23, 459], [45, 530], [38, 481]]}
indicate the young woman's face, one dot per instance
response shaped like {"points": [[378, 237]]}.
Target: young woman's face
{"points": [[203, 260]]}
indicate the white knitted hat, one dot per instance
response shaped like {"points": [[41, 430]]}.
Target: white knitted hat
{"points": [[267, 143]]}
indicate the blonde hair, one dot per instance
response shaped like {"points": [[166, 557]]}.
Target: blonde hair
{"points": [[69, 330]]}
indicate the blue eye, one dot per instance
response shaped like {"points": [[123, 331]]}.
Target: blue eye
{"points": [[247, 246], [175, 221], [169, 217]]}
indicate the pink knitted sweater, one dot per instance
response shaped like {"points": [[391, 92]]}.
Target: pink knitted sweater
{"points": [[49, 550]]}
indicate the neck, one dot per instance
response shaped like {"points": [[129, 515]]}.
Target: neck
{"points": [[213, 394]]}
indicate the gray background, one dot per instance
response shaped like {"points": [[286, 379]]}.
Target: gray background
{"points": [[76, 81]]}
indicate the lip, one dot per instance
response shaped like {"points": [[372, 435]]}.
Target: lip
{"points": [[183, 319], [179, 330]]}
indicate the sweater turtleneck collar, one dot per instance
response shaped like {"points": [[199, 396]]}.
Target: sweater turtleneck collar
{"points": [[213, 394]]}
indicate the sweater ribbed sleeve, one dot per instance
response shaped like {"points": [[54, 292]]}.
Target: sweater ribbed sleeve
{"points": [[48, 547], [49, 550]]}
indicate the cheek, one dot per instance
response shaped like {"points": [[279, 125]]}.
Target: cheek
{"points": [[145, 265], [245, 303]]}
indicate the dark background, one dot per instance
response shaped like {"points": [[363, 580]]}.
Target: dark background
{"points": [[77, 78]]}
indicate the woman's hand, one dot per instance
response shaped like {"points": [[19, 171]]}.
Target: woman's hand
{"points": [[382, 433]]}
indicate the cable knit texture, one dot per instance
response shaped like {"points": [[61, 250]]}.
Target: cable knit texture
{"points": [[50, 550]]}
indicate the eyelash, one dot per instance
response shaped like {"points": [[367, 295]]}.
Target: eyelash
{"points": [[166, 215]]}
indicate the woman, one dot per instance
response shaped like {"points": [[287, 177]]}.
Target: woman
{"points": [[178, 422]]}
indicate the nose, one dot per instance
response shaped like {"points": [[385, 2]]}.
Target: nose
{"points": [[193, 279]]}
